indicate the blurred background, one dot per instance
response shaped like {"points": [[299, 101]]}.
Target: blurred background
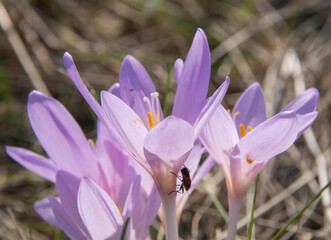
{"points": [[284, 45]]}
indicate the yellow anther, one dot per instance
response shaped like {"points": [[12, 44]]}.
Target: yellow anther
{"points": [[249, 128], [119, 208], [150, 120], [242, 130], [249, 160], [229, 111]]}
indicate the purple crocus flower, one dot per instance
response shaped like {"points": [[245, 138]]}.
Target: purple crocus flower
{"points": [[73, 158], [135, 85], [160, 145], [243, 142]]}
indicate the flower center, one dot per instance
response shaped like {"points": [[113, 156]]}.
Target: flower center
{"points": [[241, 126], [243, 130], [154, 109]]}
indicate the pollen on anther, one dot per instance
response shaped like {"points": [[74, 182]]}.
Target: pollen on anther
{"points": [[150, 121], [249, 160], [242, 130]]}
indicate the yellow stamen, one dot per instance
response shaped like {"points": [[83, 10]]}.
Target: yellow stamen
{"points": [[249, 160], [150, 121], [229, 111], [249, 128], [119, 208], [242, 130]]}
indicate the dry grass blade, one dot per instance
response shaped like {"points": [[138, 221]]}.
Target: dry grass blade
{"points": [[21, 51], [12, 216], [292, 67]]}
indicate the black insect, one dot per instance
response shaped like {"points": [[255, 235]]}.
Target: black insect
{"points": [[186, 180]]}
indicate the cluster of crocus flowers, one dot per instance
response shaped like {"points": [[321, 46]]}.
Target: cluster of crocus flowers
{"points": [[99, 186], [115, 186], [133, 114]]}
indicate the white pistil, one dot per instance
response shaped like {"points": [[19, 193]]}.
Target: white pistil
{"points": [[154, 109]]}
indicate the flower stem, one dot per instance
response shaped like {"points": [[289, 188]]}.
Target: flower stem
{"points": [[170, 218], [234, 209], [250, 229]]}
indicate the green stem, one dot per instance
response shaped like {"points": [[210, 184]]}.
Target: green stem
{"points": [[253, 207], [124, 229]]}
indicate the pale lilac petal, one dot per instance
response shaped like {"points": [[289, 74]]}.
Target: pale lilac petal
{"points": [[211, 106], [135, 84], [268, 139], [112, 158], [151, 208], [127, 123], [71, 69], [250, 108], [33, 162], [60, 135], [305, 103], [98, 211], [242, 174], [115, 89], [148, 212], [65, 220], [305, 121], [105, 164], [178, 68], [126, 180], [219, 136], [132, 206], [147, 182], [67, 187], [169, 141], [114, 166], [103, 134], [194, 80], [45, 211], [117, 166]]}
